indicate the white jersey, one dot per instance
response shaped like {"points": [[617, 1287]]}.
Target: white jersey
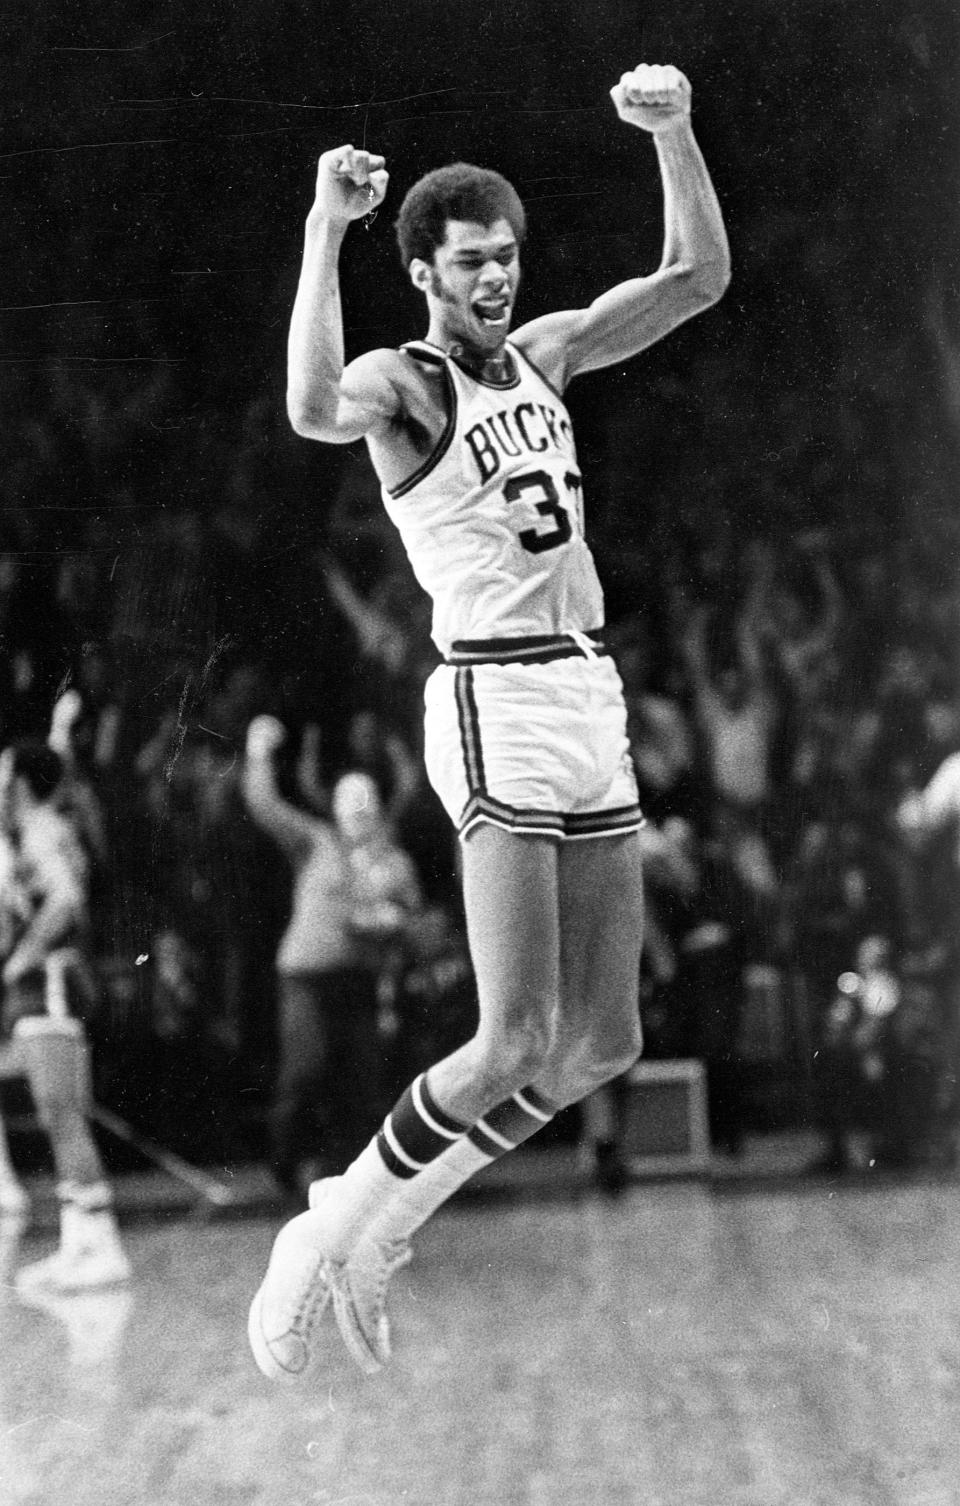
{"points": [[492, 521]]}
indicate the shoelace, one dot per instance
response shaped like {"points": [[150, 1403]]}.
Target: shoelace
{"points": [[316, 1295], [395, 1253]]}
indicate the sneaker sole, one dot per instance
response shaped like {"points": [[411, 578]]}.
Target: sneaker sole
{"points": [[70, 1288], [352, 1333], [359, 1349], [267, 1362]]}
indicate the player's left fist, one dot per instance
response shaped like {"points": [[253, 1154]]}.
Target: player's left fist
{"points": [[654, 96]]}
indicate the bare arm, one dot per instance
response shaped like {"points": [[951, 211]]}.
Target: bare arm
{"points": [[309, 782], [695, 265], [749, 623], [378, 636], [292, 829], [925, 811], [696, 658], [824, 630], [325, 400]]}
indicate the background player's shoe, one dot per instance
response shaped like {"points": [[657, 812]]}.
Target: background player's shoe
{"points": [[285, 1314], [80, 1269], [95, 1321], [90, 1253], [360, 1294]]}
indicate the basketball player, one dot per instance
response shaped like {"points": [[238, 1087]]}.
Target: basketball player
{"points": [[43, 969], [525, 722]]}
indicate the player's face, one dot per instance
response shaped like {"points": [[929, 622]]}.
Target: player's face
{"points": [[472, 284]]}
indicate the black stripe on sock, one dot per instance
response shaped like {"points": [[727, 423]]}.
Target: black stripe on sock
{"points": [[482, 1141], [445, 1120], [393, 1162], [512, 1120], [417, 1139]]}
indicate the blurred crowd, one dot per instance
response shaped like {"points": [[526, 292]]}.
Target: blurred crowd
{"points": [[789, 698]]}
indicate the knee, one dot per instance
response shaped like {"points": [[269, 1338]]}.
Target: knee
{"points": [[622, 1053], [513, 1057], [591, 1062]]}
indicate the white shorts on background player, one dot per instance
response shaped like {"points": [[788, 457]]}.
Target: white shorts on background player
{"points": [[537, 748]]}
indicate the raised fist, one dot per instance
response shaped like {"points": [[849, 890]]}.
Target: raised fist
{"points": [[65, 713], [654, 96], [264, 736], [350, 183]]}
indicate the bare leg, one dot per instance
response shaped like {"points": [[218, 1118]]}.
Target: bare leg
{"points": [[13, 1196], [63, 1116], [601, 936], [511, 889]]}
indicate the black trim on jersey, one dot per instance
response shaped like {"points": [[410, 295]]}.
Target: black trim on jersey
{"points": [[431, 357], [506, 386], [470, 741], [538, 373], [436, 353], [563, 825], [530, 650]]}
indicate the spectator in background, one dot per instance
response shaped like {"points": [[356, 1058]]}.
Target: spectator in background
{"points": [[43, 974], [14, 1198], [842, 886], [78, 798], [725, 933], [662, 741], [737, 710], [929, 819], [896, 745], [326, 1099], [855, 1056], [374, 748], [384, 885], [799, 613], [436, 995], [800, 632]]}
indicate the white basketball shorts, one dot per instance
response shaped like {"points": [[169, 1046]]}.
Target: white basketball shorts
{"points": [[537, 748]]}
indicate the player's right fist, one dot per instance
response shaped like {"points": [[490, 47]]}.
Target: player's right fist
{"points": [[264, 736], [351, 182]]}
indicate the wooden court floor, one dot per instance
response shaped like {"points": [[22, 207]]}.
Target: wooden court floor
{"points": [[683, 1346]]}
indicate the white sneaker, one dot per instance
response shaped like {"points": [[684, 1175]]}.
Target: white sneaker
{"points": [[75, 1270], [95, 1321], [285, 1314], [360, 1295]]}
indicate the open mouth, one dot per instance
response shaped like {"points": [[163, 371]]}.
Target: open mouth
{"points": [[493, 312]]}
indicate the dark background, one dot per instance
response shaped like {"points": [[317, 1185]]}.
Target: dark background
{"points": [[158, 163]]}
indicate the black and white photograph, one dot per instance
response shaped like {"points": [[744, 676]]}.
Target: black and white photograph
{"points": [[404, 1103]]}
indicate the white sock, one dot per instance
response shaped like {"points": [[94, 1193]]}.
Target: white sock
{"points": [[86, 1215], [504, 1128], [414, 1134]]}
